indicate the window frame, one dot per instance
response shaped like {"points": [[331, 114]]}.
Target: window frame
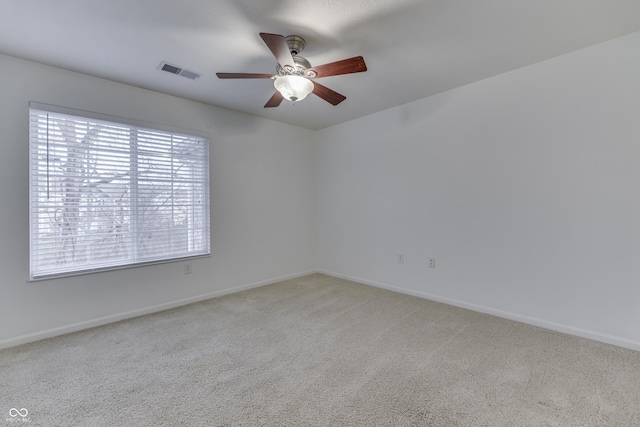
{"points": [[135, 126]]}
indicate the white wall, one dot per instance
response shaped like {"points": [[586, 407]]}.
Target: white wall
{"points": [[525, 188], [262, 201]]}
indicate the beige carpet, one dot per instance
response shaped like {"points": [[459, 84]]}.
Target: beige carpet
{"points": [[319, 351]]}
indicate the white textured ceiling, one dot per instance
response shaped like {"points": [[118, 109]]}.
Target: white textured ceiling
{"points": [[413, 48]]}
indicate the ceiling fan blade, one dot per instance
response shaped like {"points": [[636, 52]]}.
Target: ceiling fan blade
{"points": [[278, 46], [275, 100], [346, 66], [243, 76], [327, 94]]}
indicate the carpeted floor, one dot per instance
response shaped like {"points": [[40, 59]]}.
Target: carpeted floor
{"points": [[319, 351]]}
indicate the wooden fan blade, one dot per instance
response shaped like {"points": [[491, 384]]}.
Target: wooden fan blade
{"points": [[327, 94], [243, 76], [346, 66], [274, 101], [278, 46]]}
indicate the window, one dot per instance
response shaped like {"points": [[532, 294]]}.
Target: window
{"points": [[105, 194]]}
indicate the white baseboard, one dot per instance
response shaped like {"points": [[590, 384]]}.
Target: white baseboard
{"points": [[49, 333], [596, 336]]}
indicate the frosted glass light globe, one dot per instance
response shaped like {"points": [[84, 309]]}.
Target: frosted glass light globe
{"points": [[293, 88]]}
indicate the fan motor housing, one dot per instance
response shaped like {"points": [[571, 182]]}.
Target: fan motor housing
{"points": [[302, 68], [296, 44]]}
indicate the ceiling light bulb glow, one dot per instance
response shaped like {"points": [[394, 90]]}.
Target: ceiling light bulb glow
{"points": [[293, 88]]}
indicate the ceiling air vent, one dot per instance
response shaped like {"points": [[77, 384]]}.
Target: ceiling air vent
{"points": [[177, 70]]}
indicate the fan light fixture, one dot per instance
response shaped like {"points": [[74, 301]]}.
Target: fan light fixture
{"points": [[293, 88], [294, 74]]}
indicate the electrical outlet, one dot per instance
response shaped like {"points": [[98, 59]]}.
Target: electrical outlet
{"points": [[432, 263], [187, 268], [400, 258]]}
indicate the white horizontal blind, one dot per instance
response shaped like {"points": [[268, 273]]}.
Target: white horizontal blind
{"points": [[105, 194]]}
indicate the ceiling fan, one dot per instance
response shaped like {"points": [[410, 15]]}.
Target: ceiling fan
{"points": [[294, 78]]}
